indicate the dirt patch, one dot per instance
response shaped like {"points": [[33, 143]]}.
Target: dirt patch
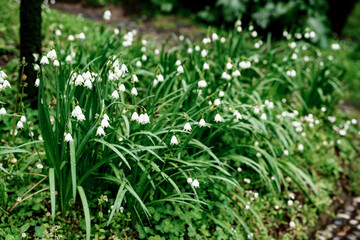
{"points": [[159, 27]]}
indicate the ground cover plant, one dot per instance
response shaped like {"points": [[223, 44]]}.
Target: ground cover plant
{"points": [[229, 137]]}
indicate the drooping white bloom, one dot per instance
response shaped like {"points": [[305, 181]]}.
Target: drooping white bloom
{"points": [[37, 82], [160, 78], [236, 73], [214, 37], [134, 91], [292, 44], [222, 40], [286, 152], [20, 125], [263, 116], [68, 58], [187, 127], [202, 123], [206, 40], [105, 116], [229, 65], [107, 15], [68, 137], [174, 140], [138, 63], [178, 62], [144, 57], [2, 111], [81, 36], [135, 78], [36, 67], [88, 84], [122, 88], [52, 55], [300, 147], [195, 183], [244, 64], [143, 119], [39, 166], [71, 38], [180, 69], [78, 114], [206, 66], [100, 131], [221, 94], [190, 50], [115, 94], [124, 68], [202, 84], [79, 80], [335, 46], [189, 180], [58, 32], [44, 60], [23, 119], [256, 110], [197, 48], [292, 224], [204, 53], [134, 116], [56, 63], [218, 118], [105, 123], [217, 102]]}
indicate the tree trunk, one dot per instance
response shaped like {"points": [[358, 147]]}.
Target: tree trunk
{"points": [[30, 42]]}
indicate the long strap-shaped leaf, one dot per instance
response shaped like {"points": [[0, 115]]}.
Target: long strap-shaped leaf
{"points": [[52, 192], [86, 212], [73, 163], [119, 197]]}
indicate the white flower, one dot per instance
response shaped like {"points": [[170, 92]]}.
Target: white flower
{"points": [[217, 102], [180, 69], [214, 37], [100, 131], [36, 67], [122, 88], [204, 53], [134, 91], [143, 119], [178, 62], [221, 94], [115, 94], [79, 80], [189, 180], [335, 46], [206, 40], [104, 123], [68, 137], [202, 84], [236, 73], [81, 36], [229, 65], [263, 116], [206, 66], [138, 63], [23, 119], [160, 78], [197, 48], [52, 55], [68, 58], [2, 111], [300, 147], [290, 203], [174, 140], [39, 166], [37, 82], [105, 116], [292, 44], [134, 116], [256, 110], [190, 50], [124, 68], [144, 57], [202, 123], [58, 32], [244, 64], [56, 63], [135, 78], [88, 84], [218, 118], [286, 152], [44, 60], [254, 34], [195, 183], [71, 38], [292, 224], [157, 51], [187, 127], [222, 40], [78, 114], [20, 125], [107, 15]]}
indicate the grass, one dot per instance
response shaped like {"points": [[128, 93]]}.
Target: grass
{"points": [[261, 136]]}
